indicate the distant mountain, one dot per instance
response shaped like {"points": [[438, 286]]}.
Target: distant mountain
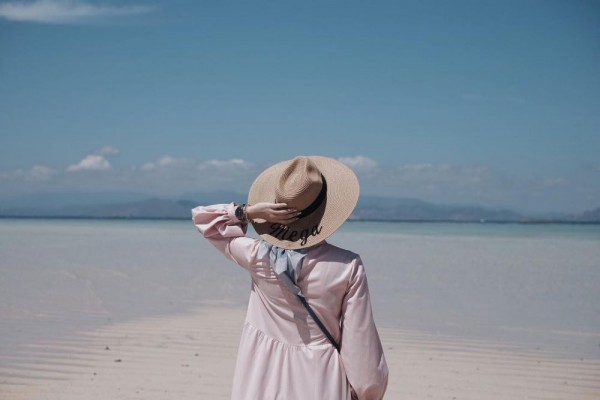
{"points": [[58, 199], [149, 208], [390, 209], [589, 216], [108, 205], [138, 205]]}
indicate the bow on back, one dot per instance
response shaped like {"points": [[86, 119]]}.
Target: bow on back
{"points": [[285, 263]]}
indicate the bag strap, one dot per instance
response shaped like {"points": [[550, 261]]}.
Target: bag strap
{"points": [[320, 324], [285, 264]]}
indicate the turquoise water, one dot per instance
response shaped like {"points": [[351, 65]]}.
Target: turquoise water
{"points": [[577, 231], [565, 230]]}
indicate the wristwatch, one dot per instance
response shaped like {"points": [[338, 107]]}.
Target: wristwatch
{"points": [[240, 212]]}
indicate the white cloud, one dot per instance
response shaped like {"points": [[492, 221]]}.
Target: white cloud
{"points": [[359, 163], [108, 151], [424, 168], [166, 162], [40, 172], [35, 173], [181, 166], [227, 165], [92, 162], [96, 161], [148, 167], [434, 182], [65, 11]]}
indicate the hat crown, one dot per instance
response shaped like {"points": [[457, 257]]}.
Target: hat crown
{"points": [[299, 184]]}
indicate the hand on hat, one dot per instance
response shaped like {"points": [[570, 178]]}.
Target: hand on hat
{"points": [[272, 212]]}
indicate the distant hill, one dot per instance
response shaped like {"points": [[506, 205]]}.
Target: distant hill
{"points": [[388, 209], [138, 205], [149, 208], [82, 205], [590, 216]]}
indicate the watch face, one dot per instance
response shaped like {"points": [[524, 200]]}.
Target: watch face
{"points": [[239, 212]]}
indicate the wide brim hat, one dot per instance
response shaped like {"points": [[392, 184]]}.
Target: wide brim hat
{"points": [[325, 190]]}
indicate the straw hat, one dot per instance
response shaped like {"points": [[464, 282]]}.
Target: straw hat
{"points": [[324, 189]]}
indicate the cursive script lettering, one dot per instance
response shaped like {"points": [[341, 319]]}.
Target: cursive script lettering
{"points": [[282, 232]]}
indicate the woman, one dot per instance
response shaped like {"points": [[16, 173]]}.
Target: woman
{"points": [[309, 330]]}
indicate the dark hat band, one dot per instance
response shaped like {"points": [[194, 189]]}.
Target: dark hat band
{"points": [[317, 202]]}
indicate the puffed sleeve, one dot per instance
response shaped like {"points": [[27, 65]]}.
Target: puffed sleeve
{"points": [[361, 350], [220, 226]]}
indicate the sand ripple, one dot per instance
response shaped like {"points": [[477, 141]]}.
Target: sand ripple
{"points": [[192, 356]]}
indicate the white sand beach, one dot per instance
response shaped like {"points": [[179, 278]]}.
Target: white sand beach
{"points": [[192, 357], [147, 310]]}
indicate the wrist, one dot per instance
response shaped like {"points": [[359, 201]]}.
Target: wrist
{"points": [[240, 212], [249, 211]]}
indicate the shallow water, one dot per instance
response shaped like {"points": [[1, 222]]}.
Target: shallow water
{"points": [[511, 230], [528, 285]]}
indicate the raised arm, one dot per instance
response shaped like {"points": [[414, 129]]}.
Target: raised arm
{"points": [[226, 232]]}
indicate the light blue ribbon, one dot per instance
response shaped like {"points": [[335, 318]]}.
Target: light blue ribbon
{"points": [[285, 263]]}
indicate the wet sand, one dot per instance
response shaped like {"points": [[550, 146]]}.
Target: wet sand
{"points": [[192, 356], [113, 310]]}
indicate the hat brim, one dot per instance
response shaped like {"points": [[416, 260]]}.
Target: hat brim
{"points": [[341, 198]]}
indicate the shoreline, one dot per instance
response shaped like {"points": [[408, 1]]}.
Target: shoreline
{"points": [[350, 220], [192, 356], [461, 312]]}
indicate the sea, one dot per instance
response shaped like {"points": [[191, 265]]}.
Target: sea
{"points": [[531, 287]]}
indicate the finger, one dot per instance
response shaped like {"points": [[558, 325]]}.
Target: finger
{"points": [[291, 217], [285, 212], [278, 206], [284, 215]]}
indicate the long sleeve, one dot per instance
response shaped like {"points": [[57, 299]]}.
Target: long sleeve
{"points": [[361, 350], [219, 225]]}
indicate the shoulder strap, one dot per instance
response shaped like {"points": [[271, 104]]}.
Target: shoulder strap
{"points": [[286, 265], [321, 326]]}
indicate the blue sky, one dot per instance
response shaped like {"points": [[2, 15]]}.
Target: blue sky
{"points": [[470, 102]]}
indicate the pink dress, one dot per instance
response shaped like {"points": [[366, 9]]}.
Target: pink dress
{"points": [[282, 353]]}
